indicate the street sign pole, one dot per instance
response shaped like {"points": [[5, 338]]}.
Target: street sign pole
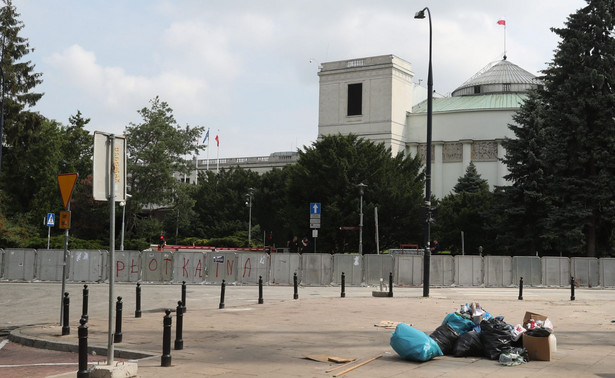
{"points": [[66, 183], [110, 347]]}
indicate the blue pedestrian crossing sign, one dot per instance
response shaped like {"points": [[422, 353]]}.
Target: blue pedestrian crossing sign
{"points": [[51, 219], [315, 208]]}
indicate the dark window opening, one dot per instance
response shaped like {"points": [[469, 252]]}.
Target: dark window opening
{"points": [[355, 99], [476, 89]]}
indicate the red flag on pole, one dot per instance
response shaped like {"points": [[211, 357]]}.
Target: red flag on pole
{"points": [[217, 141], [502, 22]]}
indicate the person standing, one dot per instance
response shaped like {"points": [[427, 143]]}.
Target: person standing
{"points": [[435, 249], [305, 245], [293, 245]]}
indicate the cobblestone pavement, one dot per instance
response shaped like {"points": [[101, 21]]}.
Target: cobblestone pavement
{"points": [[247, 339]]}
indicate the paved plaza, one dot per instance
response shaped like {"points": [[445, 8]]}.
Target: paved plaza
{"points": [[247, 339]]}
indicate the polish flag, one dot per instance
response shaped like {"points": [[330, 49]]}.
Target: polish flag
{"points": [[502, 22], [217, 141]]}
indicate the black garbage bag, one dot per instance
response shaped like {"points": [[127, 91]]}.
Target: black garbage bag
{"points": [[468, 345], [538, 332], [445, 336], [496, 337]]}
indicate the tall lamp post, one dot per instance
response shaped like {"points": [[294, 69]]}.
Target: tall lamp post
{"points": [[427, 256], [361, 191], [249, 204]]}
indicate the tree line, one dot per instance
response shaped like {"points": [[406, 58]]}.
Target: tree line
{"points": [[560, 199]]}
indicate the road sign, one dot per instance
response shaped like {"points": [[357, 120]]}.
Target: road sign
{"points": [[315, 208], [51, 219], [314, 223], [66, 182], [109, 167], [64, 220]]}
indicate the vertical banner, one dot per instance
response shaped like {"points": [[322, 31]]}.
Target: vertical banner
{"points": [[103, 160]]}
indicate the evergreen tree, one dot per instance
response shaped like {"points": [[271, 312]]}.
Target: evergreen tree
{"points": [[467, 210], [577, 119], [17, 76]]}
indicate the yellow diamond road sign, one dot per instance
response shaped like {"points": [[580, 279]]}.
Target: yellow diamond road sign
{"points": [[66, 182]]}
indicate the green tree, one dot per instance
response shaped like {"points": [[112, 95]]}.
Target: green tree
{"points": [[18, 77], [577, 122], [156, 149], [466, 210], [329, 172]]}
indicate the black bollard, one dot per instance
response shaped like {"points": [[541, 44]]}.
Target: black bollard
{"points": [[179, 327], [390, 284], [138, 308], [296, 294], [65, 327], [260, 289], [521, 288], [84, 308], [83, 349], [165, 360], [343, 295], [222, 290], [184, 296], [117, 336], [572, 288]]}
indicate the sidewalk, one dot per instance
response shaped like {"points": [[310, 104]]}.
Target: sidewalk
{"points": [[247, 339]]}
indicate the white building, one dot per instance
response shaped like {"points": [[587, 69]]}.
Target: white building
{"points": [[376, 99]]}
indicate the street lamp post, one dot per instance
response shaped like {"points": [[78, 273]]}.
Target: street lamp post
{"points": [[361, 191], [427, 256], [249, 204]]}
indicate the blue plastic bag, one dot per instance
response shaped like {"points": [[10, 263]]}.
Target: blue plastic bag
{"points": [[459, 324], [412, 344]]}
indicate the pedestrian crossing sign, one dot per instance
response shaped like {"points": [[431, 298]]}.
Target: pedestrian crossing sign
{"points": [[51, 220]]}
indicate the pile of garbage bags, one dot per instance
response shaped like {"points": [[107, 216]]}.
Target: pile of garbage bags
{"points": [[469, 332]]}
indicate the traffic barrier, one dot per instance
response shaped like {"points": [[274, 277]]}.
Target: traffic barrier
{"points": [[317, 269], [441, 271], [251, 265], [468, 270], [222, 292], [87, 265], [283, 265], [607, 272], [49, 264], [260, 290], [351, 265], [165, 359], [221, 266], [179, 326], [117, 335], [555, 271], [498, 271], [84, 303], [138, 301], [157, 266], [127, 266], [528, 267], [82, 333], [343, 292], [585, 271], [65, 315], [189, 266], [408, 270], [377, 267], [19, 264]]}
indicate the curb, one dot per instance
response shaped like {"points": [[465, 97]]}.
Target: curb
{"points": [[34, 342]]}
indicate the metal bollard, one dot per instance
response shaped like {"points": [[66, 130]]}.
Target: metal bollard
{"points": [[165, 360], [296, 294], [572, 288], [222, 290], [117, 336], [343, 295], [138, 308], [65, 327], [390, 285], [179, 327], [184, 296], [83, 349], [521, 288], [260, 289], [84, 308]]}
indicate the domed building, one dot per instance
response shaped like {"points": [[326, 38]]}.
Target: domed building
{"points": [[375, 98]]}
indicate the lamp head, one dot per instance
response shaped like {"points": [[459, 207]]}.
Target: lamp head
{"points": [[420, 14]]}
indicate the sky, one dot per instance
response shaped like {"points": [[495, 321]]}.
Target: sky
{"points": [[248, 69]]}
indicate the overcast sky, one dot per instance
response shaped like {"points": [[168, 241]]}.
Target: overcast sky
{"points": [[242, 68]]}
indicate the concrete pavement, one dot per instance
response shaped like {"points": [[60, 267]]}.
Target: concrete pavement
{"points": [[247, 339]]}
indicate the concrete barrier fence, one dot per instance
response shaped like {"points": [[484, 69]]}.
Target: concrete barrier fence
{"points": [[197, 266], [351, 266]]}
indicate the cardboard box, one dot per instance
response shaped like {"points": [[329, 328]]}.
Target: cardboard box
{"points": [[538, 348]]}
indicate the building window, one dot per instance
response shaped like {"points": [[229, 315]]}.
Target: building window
{"points": [[355, 99], [476, 89], [506, 87]]}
